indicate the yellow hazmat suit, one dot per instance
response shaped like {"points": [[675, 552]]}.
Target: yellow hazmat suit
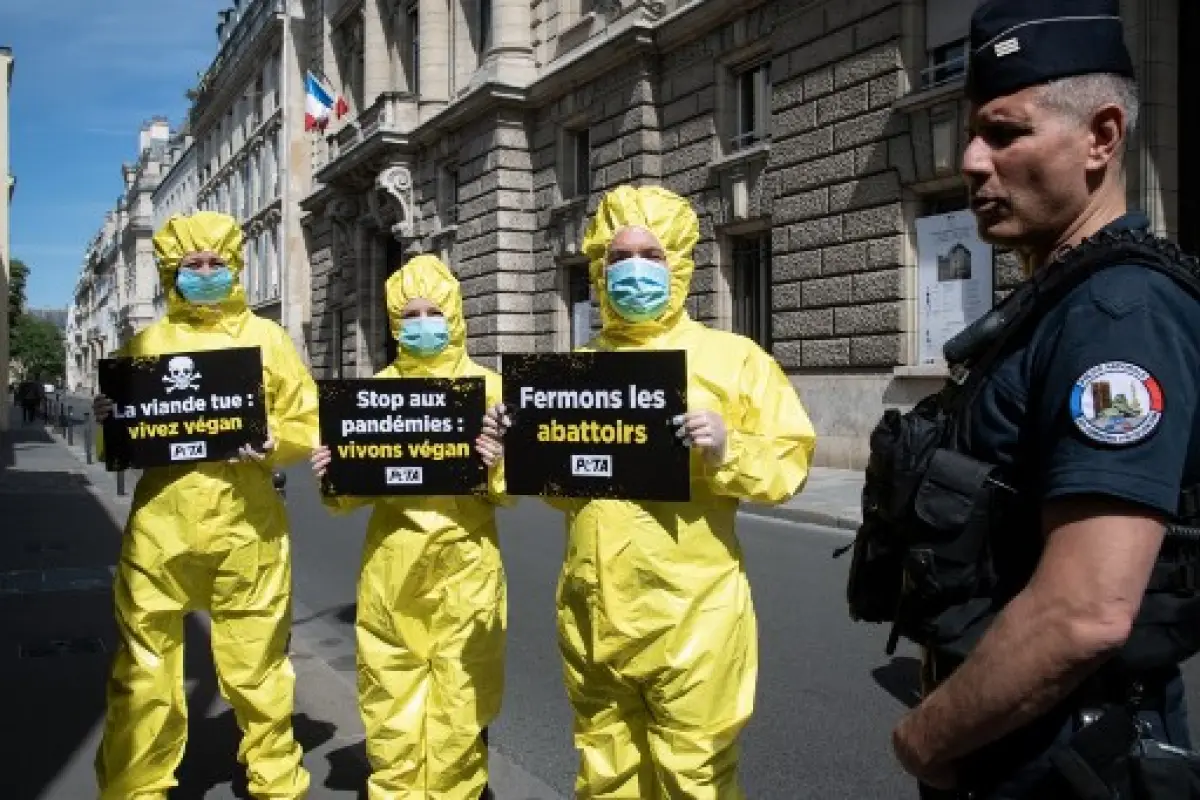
{"points": [[431, 598], [209, 537], [655, 621]]}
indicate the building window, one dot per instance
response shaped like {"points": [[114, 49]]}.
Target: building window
{"points": [[947, 62], [947, 25], [266, 172], [579, 305], [351, 60], [574, 11], [576, 177], [752, 287], [485, 26], [414, 49], [336, 343], [257, 103], [276, 160], [248, 184], [273, 261], [447, 191], [753, 107], [251, 278]]}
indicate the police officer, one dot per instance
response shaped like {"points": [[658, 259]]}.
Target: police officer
{"points": [[1092, 417]]}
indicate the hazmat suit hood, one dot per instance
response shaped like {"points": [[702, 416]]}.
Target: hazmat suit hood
{"points": [[203, 231], [428, 278], [673, 222]]}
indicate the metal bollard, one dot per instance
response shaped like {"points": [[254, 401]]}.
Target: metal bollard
{"points": [[70, 426], [87, 436], [120, 483]]}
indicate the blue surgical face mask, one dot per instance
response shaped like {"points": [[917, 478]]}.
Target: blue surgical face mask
{"points": [[638, 288], [424, 336], [204, 289]]}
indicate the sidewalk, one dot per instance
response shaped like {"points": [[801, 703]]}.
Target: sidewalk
{"points": [[832, 497], [57, 551], [60, 543]]}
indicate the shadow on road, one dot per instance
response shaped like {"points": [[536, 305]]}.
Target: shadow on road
{"points": [[901, 678], [348, 770], [211, 756]]}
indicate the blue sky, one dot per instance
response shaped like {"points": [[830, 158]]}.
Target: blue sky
{"points": [[87, 75]]}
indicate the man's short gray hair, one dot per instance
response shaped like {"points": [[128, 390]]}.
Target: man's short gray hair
{"points": [[1080, 96]]}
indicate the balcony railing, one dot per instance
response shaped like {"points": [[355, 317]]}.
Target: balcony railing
{"points": [[392, 112]]}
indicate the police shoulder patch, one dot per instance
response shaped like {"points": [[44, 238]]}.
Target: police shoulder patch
{"points": [[1117, 403]]}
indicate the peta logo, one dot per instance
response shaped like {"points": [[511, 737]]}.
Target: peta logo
{"points": [[404, 476]]}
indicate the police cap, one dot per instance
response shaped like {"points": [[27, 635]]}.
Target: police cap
{"points": [[1020, 43]]}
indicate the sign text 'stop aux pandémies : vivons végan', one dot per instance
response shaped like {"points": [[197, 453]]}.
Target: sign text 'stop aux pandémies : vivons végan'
{"points": [[402, 436]]}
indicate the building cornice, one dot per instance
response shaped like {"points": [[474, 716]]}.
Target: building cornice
{"points": [[231, 76]]}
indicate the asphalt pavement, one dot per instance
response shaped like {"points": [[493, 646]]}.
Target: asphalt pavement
{"points": [[822, 723], [827, 696]]}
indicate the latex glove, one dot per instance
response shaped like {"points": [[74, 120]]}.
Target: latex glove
{"points": [[101, 407], [248, 453], [705, 431], [320, 461], [490, 442]]}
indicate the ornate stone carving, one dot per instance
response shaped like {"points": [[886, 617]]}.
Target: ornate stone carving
{"points": [[392, 202], [655, 9]]}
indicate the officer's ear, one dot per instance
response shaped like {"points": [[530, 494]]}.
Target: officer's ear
{"points": [[1106, 133]]}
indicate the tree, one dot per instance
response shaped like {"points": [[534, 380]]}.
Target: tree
{"points": [[38, 345], [17, 273]]}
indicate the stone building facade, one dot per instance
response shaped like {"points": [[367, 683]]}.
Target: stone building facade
{"points": [[250, 156], [92, 332], [6, 190], [177, 193], [117, 292], [809, 135]]}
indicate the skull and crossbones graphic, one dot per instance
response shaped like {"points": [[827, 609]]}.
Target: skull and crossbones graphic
{"points": [[181, 375]]}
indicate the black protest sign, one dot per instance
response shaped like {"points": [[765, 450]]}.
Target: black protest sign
{"points": [[596, 425], [403, 436], [179, 408]]}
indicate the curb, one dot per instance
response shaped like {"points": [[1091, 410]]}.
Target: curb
{"points": [[809, 516]]}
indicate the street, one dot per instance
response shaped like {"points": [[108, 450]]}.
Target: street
{"points": [[827, 699], [827, 696]]}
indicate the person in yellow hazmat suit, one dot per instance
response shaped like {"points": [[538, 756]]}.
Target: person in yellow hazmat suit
{"points": [[655, 621], [211, 537], [431, 593]]}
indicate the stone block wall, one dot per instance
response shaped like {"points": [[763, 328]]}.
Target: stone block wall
{"points": [[835, 190]]}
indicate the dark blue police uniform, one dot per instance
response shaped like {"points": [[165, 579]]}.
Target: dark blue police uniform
{"points": [[1104, 399]]}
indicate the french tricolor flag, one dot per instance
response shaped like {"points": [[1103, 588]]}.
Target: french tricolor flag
{"points": [[319, 103]]}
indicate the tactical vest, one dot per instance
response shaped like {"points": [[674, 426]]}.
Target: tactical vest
{"points": [[922, 557]]}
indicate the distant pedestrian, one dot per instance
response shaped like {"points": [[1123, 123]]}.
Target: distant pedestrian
{"points": [[31, 396]]}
